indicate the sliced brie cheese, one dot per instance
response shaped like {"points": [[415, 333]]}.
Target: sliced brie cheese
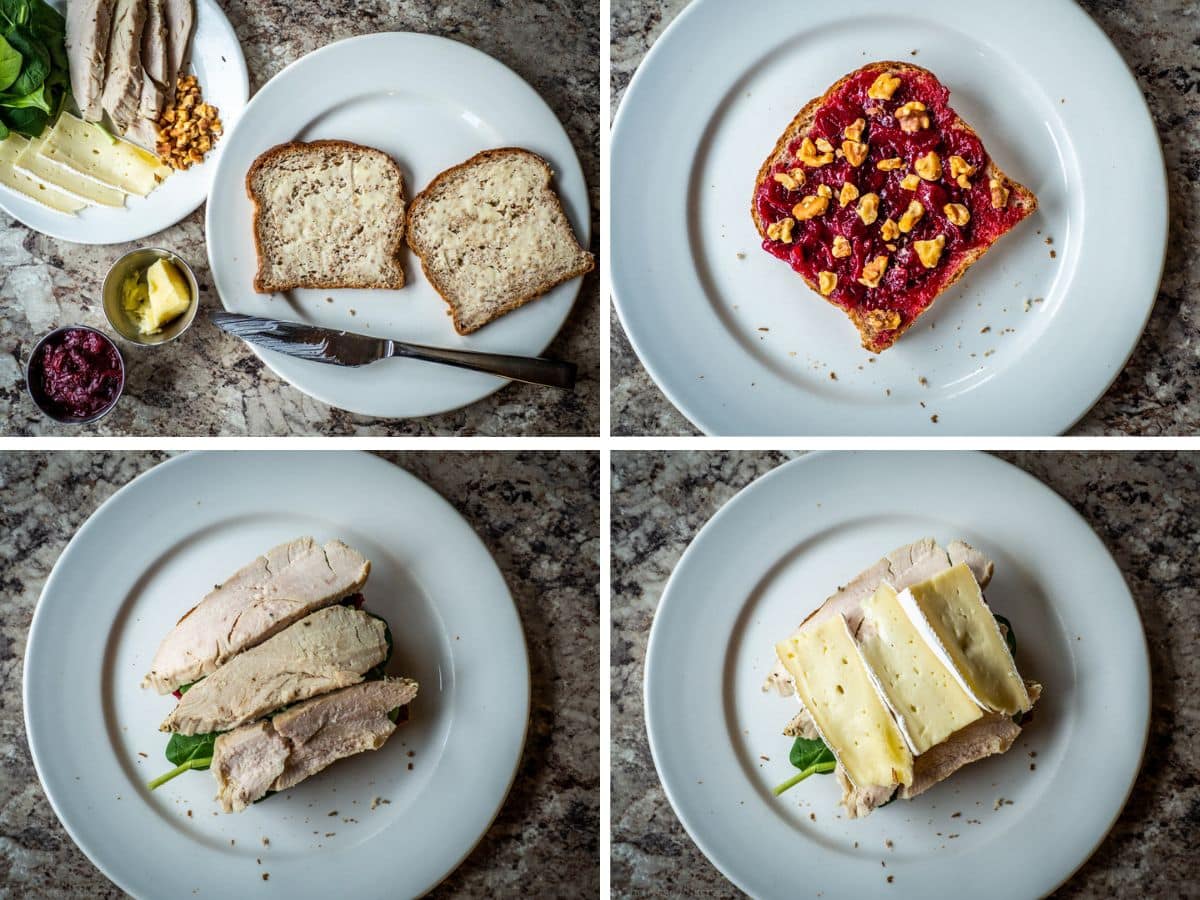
{"points": [[833, 683], [921, 691], [951, 614], [38, 191], [32, 163], [88, 150]]}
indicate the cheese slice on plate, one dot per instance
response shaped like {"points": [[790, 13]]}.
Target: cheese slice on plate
{"points": [[89, 150], [922, 692], [10, 149], [34, 164], [835, 687], [951, 614]]}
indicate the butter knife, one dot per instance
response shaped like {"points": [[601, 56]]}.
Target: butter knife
{"points": [[345, 348]]}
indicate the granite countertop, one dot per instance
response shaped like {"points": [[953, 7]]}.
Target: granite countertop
{"points": [[1142, 505], [538, 515], [1156, 393], [208, 383]]}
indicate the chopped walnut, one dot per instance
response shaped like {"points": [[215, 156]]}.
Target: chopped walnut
{"points": [[884, 86], [960, 171], [999, 194], [889, 230], [854, 131], [910, 181], [930, 251], [809, 156], [929, 166], [848, 194], [873, 271], [890, 164], [911, 216], [787, 181], [856, 153], [912, 116], [841, 247], [781, 230], [868, 208], [827, 282], [957, 213], [824, 146], [188, 128], [877, 320], [810, 207]]}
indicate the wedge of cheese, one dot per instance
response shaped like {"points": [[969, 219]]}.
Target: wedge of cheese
{"points": [[32, 163], [47, 195], [951, 614], [88, 150], [835, 687], [922, 692]]}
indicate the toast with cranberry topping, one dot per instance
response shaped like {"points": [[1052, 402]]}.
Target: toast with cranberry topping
{"points": [[880, 197]]}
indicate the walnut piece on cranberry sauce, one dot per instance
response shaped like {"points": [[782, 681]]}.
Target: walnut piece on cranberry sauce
{"points": [[878, 202]]}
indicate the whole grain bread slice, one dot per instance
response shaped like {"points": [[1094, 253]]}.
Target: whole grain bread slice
{"points": [[874, 328], [492, 235], [327, 214]]}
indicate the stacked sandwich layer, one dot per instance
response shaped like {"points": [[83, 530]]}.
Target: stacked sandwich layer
{"points": [[278, 674], [905, 674]]}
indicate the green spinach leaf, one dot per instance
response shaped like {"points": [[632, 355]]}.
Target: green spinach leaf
{"points": [[14, 12], [187, 751], [10, 64], [811, 757], [33, 100], [29, 121], [4, 132], [37, 61]]}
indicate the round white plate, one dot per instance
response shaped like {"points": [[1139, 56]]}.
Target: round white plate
{"points": [[431, 103], [153, 550], [773, 554], [218, 63], [738, 342]]}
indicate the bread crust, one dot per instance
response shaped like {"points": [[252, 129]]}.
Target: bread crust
{"points": [[873, 338], [586, 264], [261, 285]]}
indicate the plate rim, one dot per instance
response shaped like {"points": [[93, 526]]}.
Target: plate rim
{"points": [[156, 471], [655, 639], [136, 234], [583, 234], [708, 420]]}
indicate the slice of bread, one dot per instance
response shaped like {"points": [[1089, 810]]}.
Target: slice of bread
{"points": [[492, 236], [879, 328], [327, 214]]}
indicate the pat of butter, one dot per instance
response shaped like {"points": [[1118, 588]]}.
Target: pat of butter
{"points": [[88, 150], [33, 188], [170, 297]]}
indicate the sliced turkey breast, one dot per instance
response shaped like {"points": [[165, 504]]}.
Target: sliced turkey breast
{"points": [[305, 739], [89, 25], [330, 649], [901, 568], [287, 583], [154, 71], [180, 19], [123, 78]]}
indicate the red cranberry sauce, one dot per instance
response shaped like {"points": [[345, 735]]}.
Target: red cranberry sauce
{"points": [[907, 286], [77, 373]]}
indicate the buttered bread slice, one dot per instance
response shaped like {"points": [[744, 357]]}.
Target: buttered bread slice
{"points": [[327, 214], [492, 235]]}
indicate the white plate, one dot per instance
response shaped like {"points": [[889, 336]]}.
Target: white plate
{"points": [[694, 289], [159, 545], [773, 554], [218, 63], [430, 103]]}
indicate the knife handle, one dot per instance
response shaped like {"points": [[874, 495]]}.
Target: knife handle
{"points": [[530, 369]]}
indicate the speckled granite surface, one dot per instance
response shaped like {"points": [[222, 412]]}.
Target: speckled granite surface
{"points": [[1156, 393], [538, 515], [208, 383], [1142, 505]]}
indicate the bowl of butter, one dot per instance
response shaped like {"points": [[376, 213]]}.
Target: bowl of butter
{"points": [[150, 296]]}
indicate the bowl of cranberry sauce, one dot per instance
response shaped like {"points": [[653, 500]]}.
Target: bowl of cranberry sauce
{"points": [[75, 374]]}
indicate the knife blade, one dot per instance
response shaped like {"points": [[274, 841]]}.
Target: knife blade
{"points": [[346, 348]]}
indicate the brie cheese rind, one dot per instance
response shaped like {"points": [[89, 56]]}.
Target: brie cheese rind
{"points": [[33, 188], [903, 567], [835, 685], [919, 688], [950, 613]]}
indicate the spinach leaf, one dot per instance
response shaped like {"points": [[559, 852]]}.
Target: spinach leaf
{"points": [[10, 64], [187, 751], [35, 100], [14, 12], [4, 132], [811, 757], [37, 61], [30, 121]]}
